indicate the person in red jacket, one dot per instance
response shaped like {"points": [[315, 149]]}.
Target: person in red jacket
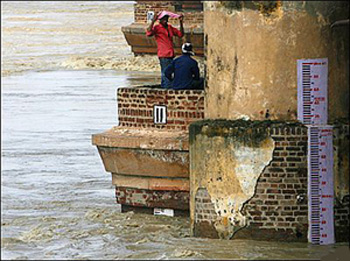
{"points": [[164, 33]]}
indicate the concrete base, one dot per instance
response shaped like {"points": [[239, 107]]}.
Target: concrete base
{"points": [[145, 210], [150, 169]]}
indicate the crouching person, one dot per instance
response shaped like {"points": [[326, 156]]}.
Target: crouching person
{"points": [[185, 70]]}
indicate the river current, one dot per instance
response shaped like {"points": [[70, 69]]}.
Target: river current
{"points": [[62, 63]]}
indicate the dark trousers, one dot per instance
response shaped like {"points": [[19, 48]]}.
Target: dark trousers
{"points": [[164, 62]]}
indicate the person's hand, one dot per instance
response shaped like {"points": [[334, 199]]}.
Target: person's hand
{"points": [[181, 18]]}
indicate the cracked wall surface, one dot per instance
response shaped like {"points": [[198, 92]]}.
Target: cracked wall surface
{"points": [[228, 167]]}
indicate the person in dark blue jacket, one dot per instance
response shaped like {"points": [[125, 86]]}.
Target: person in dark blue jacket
{"points": [[185, 70]]}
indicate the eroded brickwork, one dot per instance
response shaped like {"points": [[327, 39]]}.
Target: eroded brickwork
{"points": [[205, 210], [135, 107], [279, 208], [205, 214], [152, 198], [280, 201]]}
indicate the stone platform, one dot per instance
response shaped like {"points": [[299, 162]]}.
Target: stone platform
{"points": [[149, 160]]}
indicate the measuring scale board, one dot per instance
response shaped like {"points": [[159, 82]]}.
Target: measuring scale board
{"points": [[320, 185], [312, 91]]}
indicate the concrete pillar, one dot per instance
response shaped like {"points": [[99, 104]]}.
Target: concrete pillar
{"points": [[248, 179], [252, 49]]}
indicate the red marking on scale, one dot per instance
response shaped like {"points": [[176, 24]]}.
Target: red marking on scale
{"points": [[320, 98]]}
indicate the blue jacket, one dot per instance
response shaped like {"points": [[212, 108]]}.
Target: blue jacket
{"points": [[185, 70]]}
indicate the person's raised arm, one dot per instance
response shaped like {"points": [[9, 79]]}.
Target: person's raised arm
{"points": [[150, 27], [177, 32], [181, 18]]}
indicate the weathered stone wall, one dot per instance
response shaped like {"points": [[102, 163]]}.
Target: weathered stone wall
{"points": [[341, 144], [341, 159], [252, 49], [249, 180], [193, 12], [341, 218], [135, 107]]}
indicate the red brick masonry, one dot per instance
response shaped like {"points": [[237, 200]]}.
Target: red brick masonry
{"points": [[135, 107]]}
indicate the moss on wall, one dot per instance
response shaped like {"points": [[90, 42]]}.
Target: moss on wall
{"points": [[251, 133]]}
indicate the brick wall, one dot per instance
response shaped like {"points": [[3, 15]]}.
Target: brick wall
{"points": [[205, 214], [141, 8], [135, 107], [341, 218], [275, 206], [152, 198], [279, 208]]}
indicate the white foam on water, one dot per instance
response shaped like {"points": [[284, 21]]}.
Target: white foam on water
{"points": [[57, 201]]}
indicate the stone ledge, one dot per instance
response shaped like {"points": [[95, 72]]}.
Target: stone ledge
{"points": [[140, 28], [158, 139], [135, 35], [149, 163]]}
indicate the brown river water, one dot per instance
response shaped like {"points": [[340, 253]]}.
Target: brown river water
{"points": [[61, 65]]}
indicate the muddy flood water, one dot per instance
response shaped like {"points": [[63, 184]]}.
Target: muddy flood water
{"points": [[62, 63]]}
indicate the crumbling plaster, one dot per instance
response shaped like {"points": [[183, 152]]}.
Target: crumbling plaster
{"points": [[228, 167]]}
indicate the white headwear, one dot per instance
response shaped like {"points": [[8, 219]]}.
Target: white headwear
{"points": [[187, 48]]}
